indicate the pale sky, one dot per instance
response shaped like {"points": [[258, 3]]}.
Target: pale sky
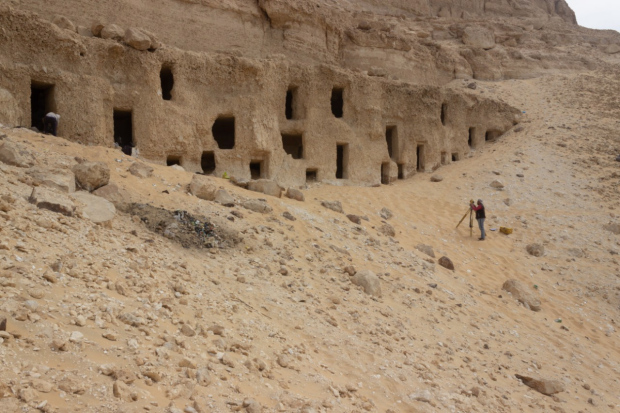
{"points": [[597, 14]]}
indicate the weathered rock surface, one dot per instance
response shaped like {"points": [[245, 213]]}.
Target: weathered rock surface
{"points": [[436, 178], [141, 170], [387, 230], [385, 213], [91, 175], [368, 281], [203, 187], [497, 184], [112, 193], [265, 186], [613, 227], [545, 386], [354, 218], [58, 179], [427, 249], [64, 23], [523, 294], [224, 198], [94, 208], [14, 154], [112, 31], [47, 199], [537, 250], [479, 37]]}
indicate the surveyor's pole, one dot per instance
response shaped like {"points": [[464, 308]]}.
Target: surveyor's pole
{"points": [[471, 223], [463, 219]]}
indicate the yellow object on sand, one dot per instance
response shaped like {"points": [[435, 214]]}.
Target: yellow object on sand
{"points": [[505, 230]]}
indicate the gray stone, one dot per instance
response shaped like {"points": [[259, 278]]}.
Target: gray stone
{"points": [[112, 193], [613, 227], [537, 250], [497, 184], [446, 263], [333, 205], [295, 194], [544, 386], [137, 39], [289, 216], [368, 281], [141, 170], [387, 230], [91, 175], [523, 294], [355, 219], [385, 213], [472, 86], [14, 154], [257, 205], [203, 187], [96, 27], [94, 208], [265, 186], [436, 178], [112, 31], [427, 249], [47, 199], [58, 179]]}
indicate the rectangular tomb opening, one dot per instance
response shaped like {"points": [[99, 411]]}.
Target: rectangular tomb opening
{"points": [[167, 82], [41, 102], [444, 113], [401, 171], [207, 162], [256, 169], [470, 140], [123, 128], [385, 173], [291, 101], [390, 137], [455, 157], [293, 145], [173, 160], [224, 132], [420, 152], [342, 161], [337, 102], [311, 175]]}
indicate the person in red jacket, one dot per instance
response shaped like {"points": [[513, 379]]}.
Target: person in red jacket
{"points": [[480, 216]]}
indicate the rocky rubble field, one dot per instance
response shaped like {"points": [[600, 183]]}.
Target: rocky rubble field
{"points": [[122, 291]]}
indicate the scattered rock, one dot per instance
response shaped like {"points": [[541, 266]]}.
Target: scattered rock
{"points": [[13, 154], [295, 194], [113, 32], [436, 178], [427, 249], [91, 175], [94, 208], [333, 205], [612, 49], [46, 199], [222, 197], [421, 396], [123, 392], [387, 230], [137, 39], [42, 385], [613, 227], [368, 281], [289, 216], [188, 331], [203, 377], [257, 205], [446, 263], [141, 170], [96, 27], [497, 184], [537, 250], [203, 187], [252, 406], [385, 213], [355, 219], [266, 186], [241, 183], [350, 270], [112, 193], [523, 294], [472, 86], [284, 360], [544, 386]]}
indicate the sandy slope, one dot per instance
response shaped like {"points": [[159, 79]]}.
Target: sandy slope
{"points": [[453, 347]]}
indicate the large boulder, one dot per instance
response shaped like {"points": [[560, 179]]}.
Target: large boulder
{"points": [[137, 39], [446, 263], [141, 170], [203, 187], [47, 199], [479, 37], [523, 294], [113, 32], [368, 281], [545, 386], [93, 207], [59, 179], [91, 175], [265, 186], [112, 193], [14, 154], [224, 198]]}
